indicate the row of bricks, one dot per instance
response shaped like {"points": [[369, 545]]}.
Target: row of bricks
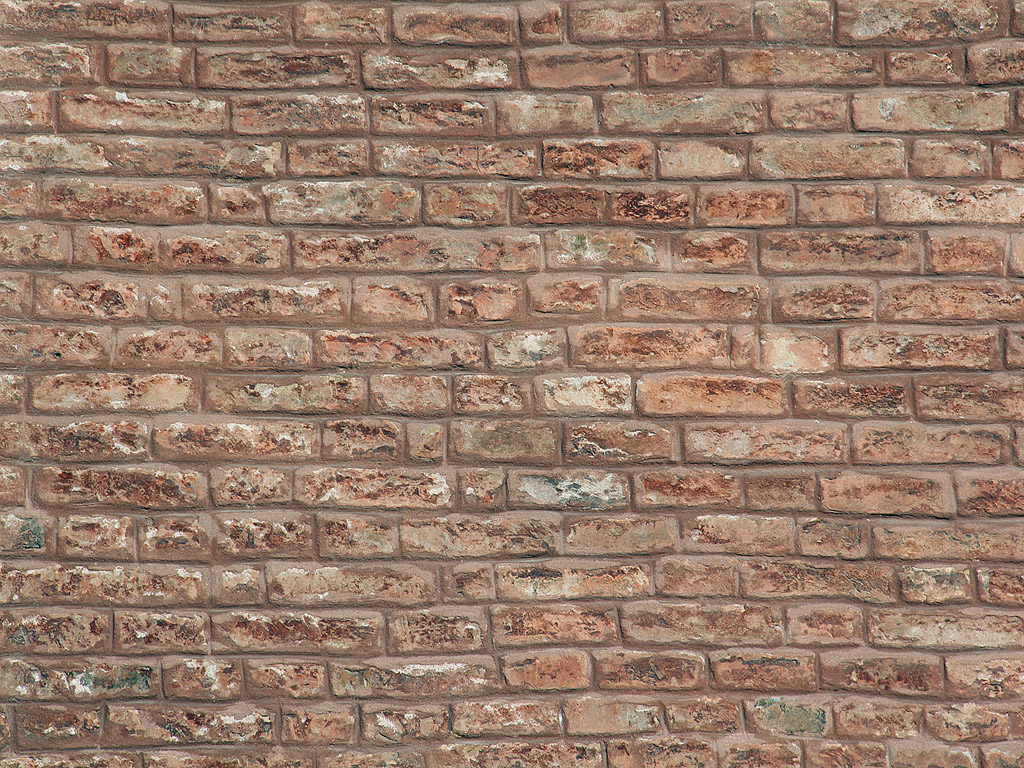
{"points": [[836, 630], [175, 66], [378, 302], [478, 115], [993, 493], [839, 252], [916, 493], [871, 22], [507, 115], [257, 535], [556, 67], [772, 349], [366, 203], [821, 157], [144, 724], [849, 665], [543, 670], [986, 399], [364, 589], [519, 441], [637, 752]]}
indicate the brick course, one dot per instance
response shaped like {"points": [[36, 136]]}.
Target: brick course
{"points": [[546, 384]]}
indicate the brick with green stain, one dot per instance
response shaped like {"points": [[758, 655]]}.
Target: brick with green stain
{"points": [[788, 717]]}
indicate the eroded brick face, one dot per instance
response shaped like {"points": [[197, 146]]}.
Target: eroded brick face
{"points": [[543, 384]]}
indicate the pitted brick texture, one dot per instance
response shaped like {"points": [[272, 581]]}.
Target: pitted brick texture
{"points": [[584, 384]]}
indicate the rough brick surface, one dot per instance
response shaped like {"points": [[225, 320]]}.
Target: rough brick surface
{"points": [[542, 384]]}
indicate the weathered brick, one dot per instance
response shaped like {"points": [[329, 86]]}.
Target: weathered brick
{"points": [[827, 158], [802, 66], [676, 623], [419, 251], [302, 113], [893, 347], [443, 115], [716, 111], [396, 71], [342, 202], [876, 21], [681, 66]]}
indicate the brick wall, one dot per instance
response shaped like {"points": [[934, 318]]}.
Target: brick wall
{"points": [[586, 384]]}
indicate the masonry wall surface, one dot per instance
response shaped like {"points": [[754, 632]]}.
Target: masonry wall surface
{"points": [[586, 384]]}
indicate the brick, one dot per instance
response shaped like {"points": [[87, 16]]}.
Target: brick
{"points": [[793, 21], [893, 443], [58, 726], [459, 677], [833, 157], [915, 23], [807, 110], [728, 623], [110, 111], [342, 202], [528, 114], [894, 674], [396, 71], [867, 583], [995, 62], [43, 64], [694, 20], [157, 724], [556, 581], [825, 625], [619, 442], [275, 68], [604, 249], [936, 66], [966, 251], [302, 113], [989, 676], [420, 251], [533, 754], [465, 205], [199, 23], [967, 631], [618, 535], [865, 349], [909, 110], [952, 158], [623, 347], [563, 66], [737, 534], [750, 206], [520, 718], [199, 680], [802, 66], [135, 64], [716, 111], [781, 442], [753, 670], [919, 494], [315, 157], [462, 536], [377, 489], [681, 66], [867, 718], [71, 392], [443, 115]]}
